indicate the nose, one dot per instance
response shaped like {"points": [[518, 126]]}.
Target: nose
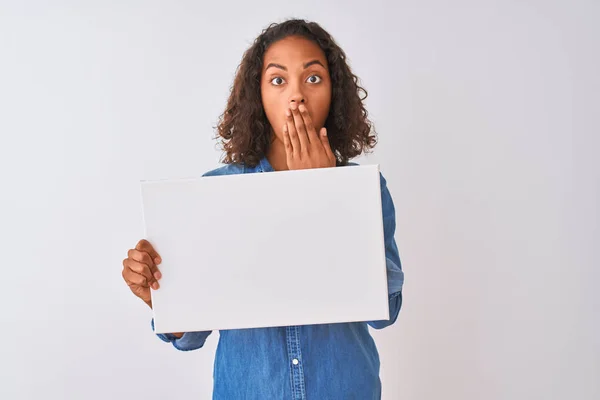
{"points": [[296, 95]]}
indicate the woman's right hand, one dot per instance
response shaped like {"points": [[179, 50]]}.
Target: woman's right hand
{"points": [[140, 270]]}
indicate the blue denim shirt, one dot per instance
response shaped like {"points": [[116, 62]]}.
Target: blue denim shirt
{"points": [[325, 361]]}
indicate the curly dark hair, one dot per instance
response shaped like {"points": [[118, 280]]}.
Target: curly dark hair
{"points": [[243, 128]]}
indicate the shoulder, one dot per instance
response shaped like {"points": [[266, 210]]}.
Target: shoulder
{"points": [[227, 169]]}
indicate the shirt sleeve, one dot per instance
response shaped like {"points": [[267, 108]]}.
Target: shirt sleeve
{"points": [[189, 340], [395, 275]]}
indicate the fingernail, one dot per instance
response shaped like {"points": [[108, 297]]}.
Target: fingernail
{"points": [[293, 106], [288, 112], [157, 260], [157, 275], [155, 285], [301, 107]]}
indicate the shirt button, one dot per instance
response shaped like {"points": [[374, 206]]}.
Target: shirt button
{"points": [[295, 361]]}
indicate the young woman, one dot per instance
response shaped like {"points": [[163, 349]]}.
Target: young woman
{"points": [[294, 104]]}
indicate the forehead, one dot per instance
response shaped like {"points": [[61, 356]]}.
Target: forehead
{"points": [[293, 50]]}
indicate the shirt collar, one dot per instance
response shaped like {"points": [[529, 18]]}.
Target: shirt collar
{"points": [[264, 165]]}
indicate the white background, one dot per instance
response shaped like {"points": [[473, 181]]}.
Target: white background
{"points": [[488, 118]]}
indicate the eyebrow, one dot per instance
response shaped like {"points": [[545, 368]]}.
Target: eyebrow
{"points": [[306, 65]]}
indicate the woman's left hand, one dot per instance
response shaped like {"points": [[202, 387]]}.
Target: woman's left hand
{"points": [[303, 147]]}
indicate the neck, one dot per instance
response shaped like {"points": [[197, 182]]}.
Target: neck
{"points": [[276, 155]]}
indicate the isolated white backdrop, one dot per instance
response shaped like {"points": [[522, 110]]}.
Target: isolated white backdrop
{"points": [[487, 113]]}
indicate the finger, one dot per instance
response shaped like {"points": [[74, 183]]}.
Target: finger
{"points": [[291, 128], [144, 245], [134, 279], [142, 269], [287, 143], [327, 146], [313, 138], [300, 129], [141, 256], [145, 258]]}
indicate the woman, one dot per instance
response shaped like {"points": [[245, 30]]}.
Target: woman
{"points": [[294, 104]]}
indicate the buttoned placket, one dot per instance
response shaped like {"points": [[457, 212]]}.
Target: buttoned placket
{"points": [[296, 364]]}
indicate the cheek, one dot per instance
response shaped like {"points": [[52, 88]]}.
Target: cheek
{"points": [[321, 105], [276, 119], [272, 109]]}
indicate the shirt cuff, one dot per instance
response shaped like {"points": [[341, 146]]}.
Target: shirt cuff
{"points": [[395, 278], [166, 337]]}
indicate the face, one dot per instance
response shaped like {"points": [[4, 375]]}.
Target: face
{"points": [[295, 70]]}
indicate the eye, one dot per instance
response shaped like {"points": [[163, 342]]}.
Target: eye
{"points": [[314, 79], [277, 81]]}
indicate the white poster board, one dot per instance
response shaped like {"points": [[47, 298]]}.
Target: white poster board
{"points": [[267, 249]]}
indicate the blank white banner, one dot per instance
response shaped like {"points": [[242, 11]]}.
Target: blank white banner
{"points": [[268, 249]]}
